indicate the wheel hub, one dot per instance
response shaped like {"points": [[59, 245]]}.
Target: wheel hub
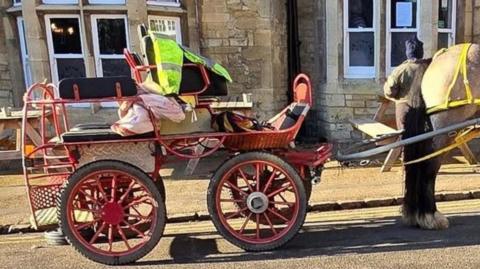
{"points": [[257, 202], [112, 213]]}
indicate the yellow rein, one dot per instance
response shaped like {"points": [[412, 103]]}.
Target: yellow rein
{"points": [[460, 68], [462, 138]]}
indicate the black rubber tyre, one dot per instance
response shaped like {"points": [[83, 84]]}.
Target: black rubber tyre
{"points": [[252, 157], [139, 176]]}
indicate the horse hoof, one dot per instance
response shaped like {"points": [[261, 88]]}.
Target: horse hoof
{"points": [[436, 221]]}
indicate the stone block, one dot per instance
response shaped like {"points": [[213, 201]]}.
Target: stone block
{"points": [[215, 17], [5, 75], [336, 114], [239, 42], [5, 84], [246, 23], [372, 104], [335, 100], [364, 111], [355, 103], [340, 135], [341, 127]]}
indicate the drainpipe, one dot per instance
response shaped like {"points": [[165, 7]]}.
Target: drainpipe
{"points": [[293, 45]]}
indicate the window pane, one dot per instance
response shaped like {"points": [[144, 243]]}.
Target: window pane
{"points": [[65, 35], [405, 9], [164, 26], [445, 14], [70, 68], [108, 2], [161, 1], [60, 2], [362, 49], [360, 13], [115, 67], [443, 40], [398, 47], [112, 36]]}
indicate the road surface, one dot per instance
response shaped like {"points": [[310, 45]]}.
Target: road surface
{"points": [[367, 238]]}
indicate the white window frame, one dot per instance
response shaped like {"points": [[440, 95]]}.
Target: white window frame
{"points": [[389, 31], [27, 71], [60, 2], [178, 26], [52, 55], [96, 46], [17, 3], [163, 3], [353, 72], [107, 2], [453, 30]]}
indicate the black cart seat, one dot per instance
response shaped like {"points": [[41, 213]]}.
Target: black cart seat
{"points": [[96, 88], [91, 132]]}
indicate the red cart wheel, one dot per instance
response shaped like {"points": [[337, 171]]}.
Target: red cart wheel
{"points": [[257, 201], [112, 212]]}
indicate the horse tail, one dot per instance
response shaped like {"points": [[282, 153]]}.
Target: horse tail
{"points": [[417, 122]]}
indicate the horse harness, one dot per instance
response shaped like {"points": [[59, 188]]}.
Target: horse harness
{"points": [[467, 134], [461, 68]]}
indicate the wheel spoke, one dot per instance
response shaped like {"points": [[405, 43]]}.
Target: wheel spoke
{"points": [[136, 210], [245, 179], [140, 216], [257, 233], [282, 189], [289, 204], [141, 200], [85, 225], [127, 192], [232, 215], [245, 223], [124, 238], [269, 223], [113, 193], [134, 229], [278, 215], [269, 182], [110, 237], [100, 188], [95, 236], [283, 198], [257, 175], [235, 188], [84, 209], [92, 199], [231, 201]]}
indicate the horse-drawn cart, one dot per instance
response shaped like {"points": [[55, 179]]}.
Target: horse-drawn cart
{"points": [[107, 188]]}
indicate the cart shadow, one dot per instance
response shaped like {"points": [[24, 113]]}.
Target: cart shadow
{"points": [[321, 239]]}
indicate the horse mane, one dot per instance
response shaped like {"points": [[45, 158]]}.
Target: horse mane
{"points": [[427, 61]]}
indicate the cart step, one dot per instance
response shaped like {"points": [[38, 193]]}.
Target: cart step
{"points": [[372, 128]]}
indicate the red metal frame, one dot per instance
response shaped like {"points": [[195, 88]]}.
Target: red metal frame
{"points": [[176, 145], [137, 73]]}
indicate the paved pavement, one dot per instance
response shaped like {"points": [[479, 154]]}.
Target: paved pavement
{"points": [[365, 238]]}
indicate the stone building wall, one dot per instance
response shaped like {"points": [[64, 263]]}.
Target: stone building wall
{"points": [[476, 21], [249, 39], [6, 87]]}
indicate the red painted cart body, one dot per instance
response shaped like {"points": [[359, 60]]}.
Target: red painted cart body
{"points": [[261, 174]]}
